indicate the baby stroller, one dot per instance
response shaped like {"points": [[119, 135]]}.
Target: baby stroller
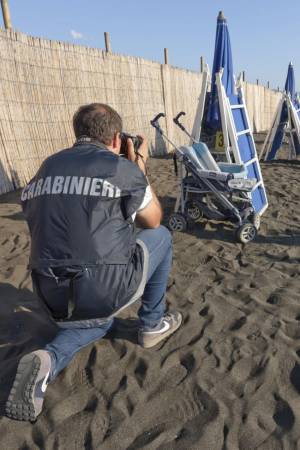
{"points": [[218, 192]]}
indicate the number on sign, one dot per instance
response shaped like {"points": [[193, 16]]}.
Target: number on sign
{"points": [[219, 141]]}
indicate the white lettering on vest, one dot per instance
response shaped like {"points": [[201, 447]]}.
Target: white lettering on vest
{"points": [[38, 188], [46, 189], [66, 186], [108, 189], [58, 183], [76, 185], [30, 193], [87, 186], [24, 193], [96, 186]]}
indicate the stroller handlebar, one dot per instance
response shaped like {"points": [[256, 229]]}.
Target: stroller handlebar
{"points": [[176, 118], [154, 122], [176, 121]]}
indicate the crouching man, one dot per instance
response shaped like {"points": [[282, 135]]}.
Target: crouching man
{"points": [[87, 261]]}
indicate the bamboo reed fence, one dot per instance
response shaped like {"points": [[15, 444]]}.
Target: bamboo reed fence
{"points": [[43, 82]]}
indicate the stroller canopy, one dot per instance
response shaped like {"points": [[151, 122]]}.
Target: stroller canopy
{"points": [[222, 61]]}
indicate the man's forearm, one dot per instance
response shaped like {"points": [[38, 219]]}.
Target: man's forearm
{"points": [[154, 197], [141, 164]]}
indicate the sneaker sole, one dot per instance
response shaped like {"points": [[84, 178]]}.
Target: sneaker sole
{"points": [[149, 342], [20, 404]]}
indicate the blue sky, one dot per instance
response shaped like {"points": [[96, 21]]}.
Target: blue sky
{"points": [[263, 33]]}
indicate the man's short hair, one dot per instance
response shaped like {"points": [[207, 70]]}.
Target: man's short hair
{"points": [[97, 121]]}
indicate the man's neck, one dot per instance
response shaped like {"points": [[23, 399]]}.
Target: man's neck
{"points": [[89, 140]]}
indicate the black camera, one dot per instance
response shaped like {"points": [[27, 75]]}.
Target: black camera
{"points": [[137, 141]]}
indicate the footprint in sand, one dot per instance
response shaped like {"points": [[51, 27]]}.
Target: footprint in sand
{"points": [[141, 371], [238, 323], [90, 424], [274, 299], [295, 377], [283, 415]]}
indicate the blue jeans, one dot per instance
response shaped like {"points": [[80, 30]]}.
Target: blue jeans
{"points": [[69, 341]]}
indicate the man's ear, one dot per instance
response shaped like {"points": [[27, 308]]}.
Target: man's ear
{"points": [[116, 143]]}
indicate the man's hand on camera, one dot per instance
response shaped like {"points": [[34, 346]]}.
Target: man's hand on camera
{"points": [[130, 150], [149, 217], [142, 150]]}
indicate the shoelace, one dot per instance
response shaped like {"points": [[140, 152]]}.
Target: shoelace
{"points": [[168, 316]]}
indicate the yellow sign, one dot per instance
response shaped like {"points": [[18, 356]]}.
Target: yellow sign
{"points": [[219, 141]]}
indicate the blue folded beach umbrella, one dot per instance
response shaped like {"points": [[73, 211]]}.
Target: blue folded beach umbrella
{"points": [[222, 60], [246, 146], [297, 102], [290, 88], [284, 116], [290, 83]]}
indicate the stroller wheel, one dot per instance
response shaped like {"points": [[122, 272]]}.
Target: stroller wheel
{"points": [[177, 222], [193, 210], [255, 219], [246, 233]]}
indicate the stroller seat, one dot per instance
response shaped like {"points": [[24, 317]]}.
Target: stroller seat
{"points": [[238, 170], [234, 176], [207, 162]]}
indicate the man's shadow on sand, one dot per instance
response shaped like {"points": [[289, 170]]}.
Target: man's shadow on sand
{"points": [[24, 326], [11, 198], [124, 329]]}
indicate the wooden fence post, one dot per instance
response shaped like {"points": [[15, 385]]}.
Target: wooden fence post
{"points": [[6, 14], [107, 42], [166, 56], [201, 64]]}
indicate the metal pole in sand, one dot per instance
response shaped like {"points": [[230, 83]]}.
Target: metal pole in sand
{"points": [[6, 14]]}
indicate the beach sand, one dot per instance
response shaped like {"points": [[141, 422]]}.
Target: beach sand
{"points": [[229, 379]]}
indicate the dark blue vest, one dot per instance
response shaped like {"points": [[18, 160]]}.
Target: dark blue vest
{"points": [[79, 210]]}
